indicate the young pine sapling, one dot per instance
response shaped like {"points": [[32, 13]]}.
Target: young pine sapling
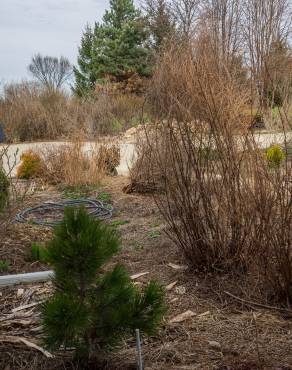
{"points": [[93, 309]]}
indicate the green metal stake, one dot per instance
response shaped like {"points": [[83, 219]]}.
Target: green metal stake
{"points": [[138, 347]]}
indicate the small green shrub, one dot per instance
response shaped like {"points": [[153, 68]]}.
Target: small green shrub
{"points": [[4, 189], [92, 310], [30, 166], [275, 156], [38, 253], [4, 265]]}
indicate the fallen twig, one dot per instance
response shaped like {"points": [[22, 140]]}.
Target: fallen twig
{"points": [[136, 276], [182, 317], [11, 339], [250, 303], [20, 308]]}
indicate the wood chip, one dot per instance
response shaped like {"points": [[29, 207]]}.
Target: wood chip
{"points": [[12, 339], [17, 322], [20, 292], [24, 307], [177, 267], [171, 285], [216, 346], [204, 314], [180, 290], [37, 329], [136, 276], [182, 317], [19, 315]]}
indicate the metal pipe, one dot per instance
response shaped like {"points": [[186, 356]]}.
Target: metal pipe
{"points": [[31, 277]]}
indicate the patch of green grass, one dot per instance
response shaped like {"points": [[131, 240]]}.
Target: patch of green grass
{"points": [[275, 112], [119, 222], [103, 197], [137, 246], [153, 234], [155, 224], [117, 125], [4, 265], [38, 253], [75, 192]]}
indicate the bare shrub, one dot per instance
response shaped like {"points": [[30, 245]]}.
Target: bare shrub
{"points": [[145, 175], [17, 190], [108, 159], [31, 113], [113, 113], [74, 164], [226, 209]]}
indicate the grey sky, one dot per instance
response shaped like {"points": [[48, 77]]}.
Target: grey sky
{"points": [[51, 27]]}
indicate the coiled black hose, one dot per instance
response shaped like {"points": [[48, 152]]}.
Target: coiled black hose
{"points": [[51, 213]]}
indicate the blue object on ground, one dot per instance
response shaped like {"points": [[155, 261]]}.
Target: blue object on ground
{"points": [[2, 136]]}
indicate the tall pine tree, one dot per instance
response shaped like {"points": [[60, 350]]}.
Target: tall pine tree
{"points": [[160, 21], [84, 75], [115, 49]]}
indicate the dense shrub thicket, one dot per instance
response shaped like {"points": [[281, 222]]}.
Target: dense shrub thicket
{"points": [[227, 202], [29, 112]]}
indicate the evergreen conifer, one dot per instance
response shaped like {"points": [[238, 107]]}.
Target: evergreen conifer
{"points": [[92, 310]]}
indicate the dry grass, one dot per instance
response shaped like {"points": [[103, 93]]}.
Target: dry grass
{"points": [[31, 113], [75, 164]]}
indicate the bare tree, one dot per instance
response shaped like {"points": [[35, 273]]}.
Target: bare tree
{"points": [[51, 72], [186, 14], [266, 23], [223, 21]]}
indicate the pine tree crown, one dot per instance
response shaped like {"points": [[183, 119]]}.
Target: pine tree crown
{"points": [[115, 47]]}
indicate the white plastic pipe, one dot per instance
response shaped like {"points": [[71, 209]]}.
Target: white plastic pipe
{"points": [[25, 278]]}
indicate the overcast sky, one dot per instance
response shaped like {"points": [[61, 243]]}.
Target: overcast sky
{"points": [[49, 27]]}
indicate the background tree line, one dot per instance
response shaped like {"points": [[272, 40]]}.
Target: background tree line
{"points": [[248, 40], [251, 38]]}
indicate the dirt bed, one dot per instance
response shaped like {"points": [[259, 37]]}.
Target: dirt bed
{"points": [[223, 333]]}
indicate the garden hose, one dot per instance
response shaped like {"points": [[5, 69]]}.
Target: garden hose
{"points": [[51, 213]]}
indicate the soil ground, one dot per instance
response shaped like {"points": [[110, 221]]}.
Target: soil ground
{"points": [[223, 333]]}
